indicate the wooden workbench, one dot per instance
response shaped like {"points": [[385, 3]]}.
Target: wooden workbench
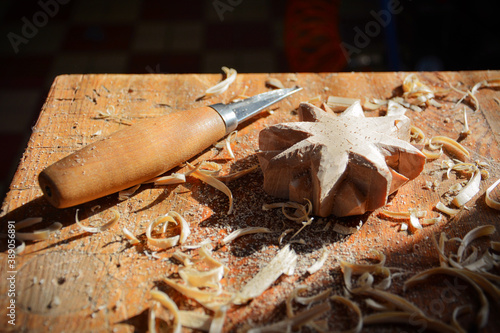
{"points": [[103, 283]]}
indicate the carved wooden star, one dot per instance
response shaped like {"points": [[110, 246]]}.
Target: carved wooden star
{"points": [[345, 165]]}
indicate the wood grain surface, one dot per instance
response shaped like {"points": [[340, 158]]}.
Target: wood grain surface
{"points": [[103, 283]]}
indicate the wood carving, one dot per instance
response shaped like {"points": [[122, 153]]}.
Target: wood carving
{"points": [[345, 165]]}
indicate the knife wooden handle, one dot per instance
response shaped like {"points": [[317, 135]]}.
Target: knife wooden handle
{"points": [[130, 156]]}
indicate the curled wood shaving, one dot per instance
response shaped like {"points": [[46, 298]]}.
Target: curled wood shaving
{"points": [[274, 83], [353, 306], [20, 249], [233, 176], [195, 320], [215, 183], [417, 93], [291, 298], [348, 269], [447, 210], [35, 235], [463, 168], [403, 215], [244, 231], [130, 236], [223, 85], [185, 259], [432, 155], [451, 146], [152, 317], [241, 96], [458, 311], [300, 214], [38, 234], [197, 245], [465, 131], [318, 264], [414, 224], [195, 278], [339, 104], [396, 300], [480, 231], [174, 178], [126, 194], [471, 93], [400, 317], [396, 109], [283, 234], [168, 242], [283, 263], [417, 134], [489, 200], [218, 320], [168, 303], [314, 298], [482, 315], [28, 222], [371, 303], [345, 230], [226, 143], [210, 299], [431, 221], [469, 191], [101, 228], [206, 256]]}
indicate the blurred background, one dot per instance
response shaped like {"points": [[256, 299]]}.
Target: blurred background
{"points": [[41, 39]]}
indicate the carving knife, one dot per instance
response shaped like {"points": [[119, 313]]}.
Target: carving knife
{"points": [[145, 150]]}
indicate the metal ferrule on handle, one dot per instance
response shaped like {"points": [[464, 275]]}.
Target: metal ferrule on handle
{"points": [[228, 115]]}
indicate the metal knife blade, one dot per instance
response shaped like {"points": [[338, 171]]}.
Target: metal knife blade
{"points": [[235, 113]]}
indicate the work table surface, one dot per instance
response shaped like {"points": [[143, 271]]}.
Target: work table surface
{"points": [[103, 284]]}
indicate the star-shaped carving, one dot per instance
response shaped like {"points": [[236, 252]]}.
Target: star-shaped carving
{"points": [[345, 165]]}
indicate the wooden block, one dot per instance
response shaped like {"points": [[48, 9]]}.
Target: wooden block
{"points": [[103, 284]]}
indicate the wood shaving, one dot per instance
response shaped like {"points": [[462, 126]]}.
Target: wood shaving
{"points": [[101, 228], [195, 320], [210, 299], [215, 183], [168, 242], [481, 231], [226, 143], [482, 315], [318, 264], [174, 178], [218, 320], [168, 303], [451, 146], [244, 231], [353, 306], [126, 194], [283, 263], [489, 200], [469, 191], [274, 83], [223, 85], [447, 210], [131, 237]]}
